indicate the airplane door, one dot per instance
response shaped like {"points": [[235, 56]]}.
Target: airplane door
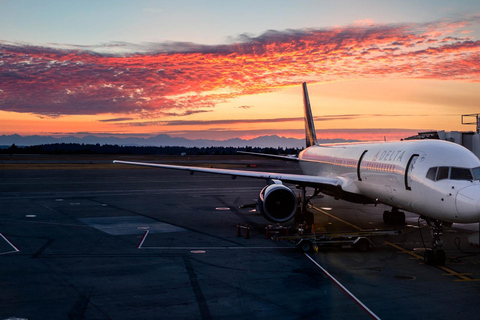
{"points": [[409, 171], [359, 164]]}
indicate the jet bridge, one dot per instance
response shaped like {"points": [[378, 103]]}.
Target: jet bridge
{"points": [[468, 139]]}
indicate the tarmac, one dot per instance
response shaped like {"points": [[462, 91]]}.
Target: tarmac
{"points": [[82, 238]]}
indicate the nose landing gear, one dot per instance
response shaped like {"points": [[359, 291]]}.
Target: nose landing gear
{"points": [[436, 255]]}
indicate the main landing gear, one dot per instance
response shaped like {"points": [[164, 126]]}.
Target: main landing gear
{"points": [[303, 216], [436, 255], [394, 217]]}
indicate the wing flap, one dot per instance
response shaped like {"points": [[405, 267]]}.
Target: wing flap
{"points": [[271, 156]]}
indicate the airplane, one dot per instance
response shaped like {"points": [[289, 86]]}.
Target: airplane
{"points": [[438, 180]]}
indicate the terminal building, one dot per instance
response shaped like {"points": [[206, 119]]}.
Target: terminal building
{"points": [[468, 139]]}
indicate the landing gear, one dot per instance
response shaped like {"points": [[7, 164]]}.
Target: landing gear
{"points": [[303, 216], [394, 217], [436, 255]]}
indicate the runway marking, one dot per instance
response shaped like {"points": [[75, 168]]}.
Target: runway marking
{"points": [[360, 303], [128, 225], [47, 223], [217, 248], [140, 246], [449, 272], [15, 249], [403, 250], [337, 218], [143, 240]]}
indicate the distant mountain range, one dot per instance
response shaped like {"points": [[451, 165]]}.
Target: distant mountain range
{"points": [[161, 140]]}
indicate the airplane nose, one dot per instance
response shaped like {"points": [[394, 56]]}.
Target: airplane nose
{"points": [[468, 204]]}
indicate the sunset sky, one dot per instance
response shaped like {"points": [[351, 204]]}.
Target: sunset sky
{"points": [[226, 69]]}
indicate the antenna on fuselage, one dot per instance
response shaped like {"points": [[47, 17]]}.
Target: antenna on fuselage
{"points": [[310, 135]]}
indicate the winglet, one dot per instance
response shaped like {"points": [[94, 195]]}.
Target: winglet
{"points": [[310, 135]]}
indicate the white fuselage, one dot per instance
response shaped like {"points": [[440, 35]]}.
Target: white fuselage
{"points": [[396, 174]]}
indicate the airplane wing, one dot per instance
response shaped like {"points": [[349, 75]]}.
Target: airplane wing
{"points": [[300, 179]]}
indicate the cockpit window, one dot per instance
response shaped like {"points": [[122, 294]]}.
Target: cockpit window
{"points": [[476, 173], [442, 173], [460, 174], [432, 172], [453, 173]]}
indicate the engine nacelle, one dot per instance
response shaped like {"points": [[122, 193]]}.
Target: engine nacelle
{"points": [[277, 203]]}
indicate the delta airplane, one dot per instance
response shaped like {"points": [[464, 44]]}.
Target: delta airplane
{"points": [[438, 180]]}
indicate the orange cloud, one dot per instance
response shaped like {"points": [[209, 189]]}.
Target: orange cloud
{"points": [[161, 78]]}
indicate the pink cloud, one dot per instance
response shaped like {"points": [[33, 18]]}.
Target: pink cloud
{"points": [[156, 79]]}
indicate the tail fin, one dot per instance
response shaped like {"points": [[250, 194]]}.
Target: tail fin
{"points": [[310, 135]]}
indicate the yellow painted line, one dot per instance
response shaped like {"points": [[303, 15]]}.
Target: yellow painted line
{"points": [[467, 280], [403, 250], [449, 272], [461, 276], [337, 218]]}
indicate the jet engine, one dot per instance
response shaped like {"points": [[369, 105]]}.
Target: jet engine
{"points": [[277, 203]]}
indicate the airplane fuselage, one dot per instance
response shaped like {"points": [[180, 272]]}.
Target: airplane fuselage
{"points": [[433, 178]]}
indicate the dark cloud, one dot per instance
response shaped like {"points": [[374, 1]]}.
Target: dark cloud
{"points": [[169, 114], [207, 122], [179, 78], [185, 113], [226, 122], [116, 120]]}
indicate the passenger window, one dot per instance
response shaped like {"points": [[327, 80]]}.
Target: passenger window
{"points": [[432, 172], [460, 174], [442, 173]]}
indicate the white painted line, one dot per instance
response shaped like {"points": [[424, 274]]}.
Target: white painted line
{"points": [[11, 244], [143, 239], [215, 248], [360, 303], [3, 253], [198, 249]]}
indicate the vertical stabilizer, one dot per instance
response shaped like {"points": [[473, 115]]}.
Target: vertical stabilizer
{"points": [[310, 135]]}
